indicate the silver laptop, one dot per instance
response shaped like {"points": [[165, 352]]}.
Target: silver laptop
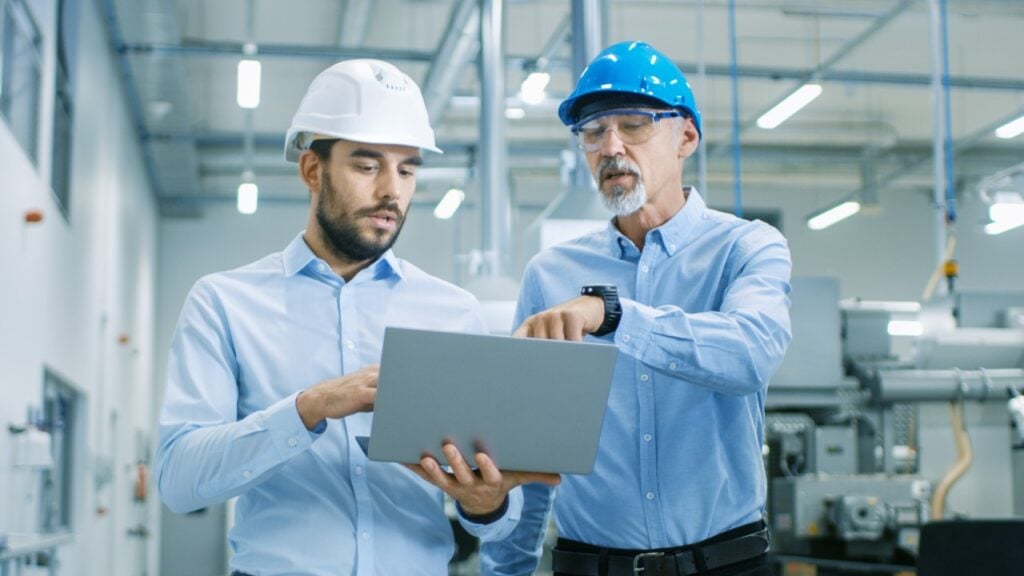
{"points": [[531, 404]]}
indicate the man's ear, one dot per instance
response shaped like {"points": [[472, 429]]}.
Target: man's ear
{"points": [[689, 138], [309, 170]]}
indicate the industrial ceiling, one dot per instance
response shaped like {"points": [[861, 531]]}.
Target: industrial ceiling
{"points": [[870, 131]]}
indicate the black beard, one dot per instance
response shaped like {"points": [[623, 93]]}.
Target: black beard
{"points": [[342, 234]]}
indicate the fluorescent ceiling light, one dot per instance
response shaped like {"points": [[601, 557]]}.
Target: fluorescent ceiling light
{"points": [[1006, 212], [880, 305], [532, 89], [905, 328], [248, 197], [1011, 129], [446, 208], [993, 228], [515, 113], [791, 105], [249, 83], [833, 215]]}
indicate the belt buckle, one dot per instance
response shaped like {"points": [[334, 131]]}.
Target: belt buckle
{"points": [[637, 569]]}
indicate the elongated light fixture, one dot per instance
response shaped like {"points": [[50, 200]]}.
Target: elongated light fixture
{"points": [[451, 201], [248, 194], [993, 228], [832, 215], [905, 328], [791, 105], [249, 72], [1006, 213], [1011, 129]]}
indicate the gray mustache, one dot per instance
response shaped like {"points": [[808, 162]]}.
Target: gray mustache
{"points": [[617, 164]]}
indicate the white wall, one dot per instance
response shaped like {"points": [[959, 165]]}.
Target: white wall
{"points": [[70, 289]]}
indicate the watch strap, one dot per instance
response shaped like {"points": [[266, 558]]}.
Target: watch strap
{"points": [[612, 308]]}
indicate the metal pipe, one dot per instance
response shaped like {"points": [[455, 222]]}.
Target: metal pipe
{"points": [[586, 38], [702, 82], [458, 47], [249, 139], [737, 185], [890, 386], [939, 135], [495, 211], [353, 23], [547, 52], [229, 49], [130, 93], [948, 121]]}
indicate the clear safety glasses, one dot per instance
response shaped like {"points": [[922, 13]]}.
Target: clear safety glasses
{"points": [[631, 126]]}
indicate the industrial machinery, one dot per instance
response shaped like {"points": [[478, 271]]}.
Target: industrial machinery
{"points": [[867, 412]]}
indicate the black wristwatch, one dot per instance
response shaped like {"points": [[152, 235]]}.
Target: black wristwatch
{"points": [[612, 308]]}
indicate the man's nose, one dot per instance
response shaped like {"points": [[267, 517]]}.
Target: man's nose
{"points": [[611, 144], [389, 185]]}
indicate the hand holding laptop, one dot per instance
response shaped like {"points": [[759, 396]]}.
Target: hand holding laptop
{"points": [[479, 491]]}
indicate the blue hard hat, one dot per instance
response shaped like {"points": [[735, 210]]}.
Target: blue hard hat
{"points": [[631, 71]]}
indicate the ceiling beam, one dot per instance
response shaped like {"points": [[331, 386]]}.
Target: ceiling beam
{"points": [[234, 49]]}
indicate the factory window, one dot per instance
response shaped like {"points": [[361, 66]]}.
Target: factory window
{"points": [[61, 415], [20, 64], [63, 103]]}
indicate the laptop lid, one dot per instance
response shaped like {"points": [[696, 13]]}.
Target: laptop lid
{"points": [[532, 405]]}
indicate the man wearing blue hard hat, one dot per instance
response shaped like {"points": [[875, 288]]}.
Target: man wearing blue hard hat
{"points": [[697, 302]]}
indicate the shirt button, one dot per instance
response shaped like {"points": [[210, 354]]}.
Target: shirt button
{"points": [[293, 442], [650, 495], [321, 267], [365, 535], [359, 470], [648, 437], [625, 338], [247, 474], [644, 377], [671, 246], [350, 344], [644, 268], [672, 366]]}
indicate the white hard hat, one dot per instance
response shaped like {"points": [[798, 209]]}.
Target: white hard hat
{"points": [[363, 101]]}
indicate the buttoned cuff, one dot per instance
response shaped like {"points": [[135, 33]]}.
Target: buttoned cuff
{"points": [[633, 335], [499, 527], [289, 434]]}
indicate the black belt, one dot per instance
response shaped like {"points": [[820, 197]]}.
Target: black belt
{"points": [[686, 560]]}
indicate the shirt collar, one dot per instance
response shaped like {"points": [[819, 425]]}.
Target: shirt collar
{"points": [[298, 257], [672, 235]]}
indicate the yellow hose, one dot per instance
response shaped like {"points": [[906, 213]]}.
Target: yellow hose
{"points": [[933, 282], [965, 455]]}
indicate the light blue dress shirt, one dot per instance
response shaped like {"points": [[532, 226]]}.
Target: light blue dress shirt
{"points": [[705, 324], [247, 342]]}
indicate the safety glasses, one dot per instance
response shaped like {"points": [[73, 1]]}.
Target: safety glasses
{"points": [[631, 126]]}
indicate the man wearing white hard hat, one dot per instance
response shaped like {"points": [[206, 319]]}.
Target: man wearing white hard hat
{"points": [[273, 366]]}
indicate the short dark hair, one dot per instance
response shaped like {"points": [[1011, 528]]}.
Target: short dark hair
{"points": [[322, 148]]}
